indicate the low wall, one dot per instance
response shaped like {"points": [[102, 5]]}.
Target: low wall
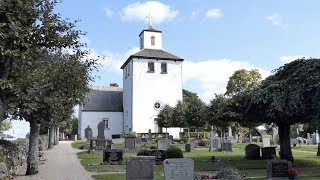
{"points": [[13, 155]]}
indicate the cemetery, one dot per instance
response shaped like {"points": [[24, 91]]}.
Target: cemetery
{"points": [[256, 160]]}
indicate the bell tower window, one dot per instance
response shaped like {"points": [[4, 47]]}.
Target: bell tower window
{"points": [[153, 39]]}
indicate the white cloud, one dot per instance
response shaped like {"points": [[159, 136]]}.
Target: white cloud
{"points": [[139, 11], [110, 60], [287, 59], [212, 76], [276, 19], [109, 13], [214, 13]]}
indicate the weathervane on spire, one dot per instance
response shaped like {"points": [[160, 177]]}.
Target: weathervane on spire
{"points": [[149, 17]]}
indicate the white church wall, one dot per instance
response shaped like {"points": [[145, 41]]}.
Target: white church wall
{"points": [[115, 120], [127, 96], [146, 38], [150, 88]]}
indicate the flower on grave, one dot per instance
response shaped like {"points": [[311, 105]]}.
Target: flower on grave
{"points": [[292, 171]]}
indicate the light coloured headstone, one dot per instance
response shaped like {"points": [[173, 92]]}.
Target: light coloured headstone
{"points": [[88, 133], [178, 169], [163, 144], [214, 143], [130, 142], [266, 140], [229, 131], [317, 137], [140, 168]]}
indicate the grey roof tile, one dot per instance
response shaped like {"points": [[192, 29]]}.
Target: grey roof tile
{"points": [[104, 99], [153, 54]]}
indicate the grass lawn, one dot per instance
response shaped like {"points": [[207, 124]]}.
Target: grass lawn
{"points": [[308, 163]]}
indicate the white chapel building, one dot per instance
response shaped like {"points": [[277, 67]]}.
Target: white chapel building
{"points": [[152, 78]]}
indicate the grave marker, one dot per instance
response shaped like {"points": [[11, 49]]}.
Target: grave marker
{"points": [[278, 168], [112, 156], [178, 169], [88, 133], [140, 168]]}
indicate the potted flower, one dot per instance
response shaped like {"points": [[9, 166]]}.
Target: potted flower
{"points": [[292, 173]]}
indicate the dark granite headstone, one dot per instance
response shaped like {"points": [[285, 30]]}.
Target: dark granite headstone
{"points": [[278, 168], [88, 133], [268, 152], [188, 147], [112, 156], [226, 146], [101, 127], [252, 151]]}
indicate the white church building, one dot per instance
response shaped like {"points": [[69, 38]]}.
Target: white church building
{"points": [[152, 78]]}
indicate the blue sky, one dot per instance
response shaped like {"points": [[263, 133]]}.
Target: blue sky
{"points": [[214, 37]]}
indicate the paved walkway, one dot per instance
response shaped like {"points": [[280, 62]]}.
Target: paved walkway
{"points": [[61, 164]]}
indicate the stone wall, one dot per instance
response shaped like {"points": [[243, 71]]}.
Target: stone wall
{"points": [[13, 155]]}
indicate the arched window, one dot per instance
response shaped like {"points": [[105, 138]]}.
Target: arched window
{"points": [[153, 39]]}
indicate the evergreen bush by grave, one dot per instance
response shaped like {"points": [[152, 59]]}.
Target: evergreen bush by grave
{"points": [[174, 152]]}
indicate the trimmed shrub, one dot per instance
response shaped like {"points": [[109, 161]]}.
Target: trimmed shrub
{"points": [[143, 152], [174, 152]]}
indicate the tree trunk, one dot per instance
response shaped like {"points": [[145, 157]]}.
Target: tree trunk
{"points": [[1, 111], [250, 135], [33, 153], [284, 137], [50, 144]]}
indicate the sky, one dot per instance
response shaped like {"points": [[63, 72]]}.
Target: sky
{"points": [[214, 37]]}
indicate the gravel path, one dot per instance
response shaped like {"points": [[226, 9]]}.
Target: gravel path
{"points": [[61, 164]]}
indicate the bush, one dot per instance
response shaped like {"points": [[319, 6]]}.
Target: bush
{"points": [[143, 152], [228, 173], [202, 143], [153, 147], [174, 152]]}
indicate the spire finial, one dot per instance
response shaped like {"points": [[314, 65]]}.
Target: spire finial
{"points": [[149, 17]]}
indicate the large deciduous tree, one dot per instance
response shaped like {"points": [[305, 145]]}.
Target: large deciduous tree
{"points": [[165, 117], [291, 95], [242, 80], [38, 83]]}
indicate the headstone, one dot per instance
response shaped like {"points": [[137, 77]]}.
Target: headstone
{"points": [[112, 156], [130, 142], [268, 152], [226, 145], [140, 168], [318, 152], [317, 137], [191, 142], [214, 144], [188, 147], [266, 140], [149, 135], [252, 151], [101, 144], [88, 133], [144, 141], [278, 168], [178, 169], [101, 127], [163, 144], [138, 140]]}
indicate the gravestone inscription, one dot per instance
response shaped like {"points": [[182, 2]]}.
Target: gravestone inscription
{"points": [[140, 168], [112, 156], [178, 169]]}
